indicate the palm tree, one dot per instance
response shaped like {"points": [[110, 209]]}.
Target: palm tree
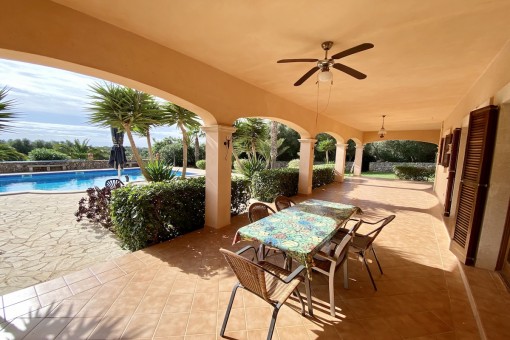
{"points": [[196, 133], [124, 108], [249, 134], [185, 121], [274, 141], [6, 115], [75, 149], [326, 145], [144, 129]]}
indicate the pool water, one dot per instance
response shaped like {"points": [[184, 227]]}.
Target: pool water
{"points": [[65, 181]]}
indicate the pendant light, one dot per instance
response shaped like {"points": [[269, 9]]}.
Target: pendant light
{"points": [[382, 131]]}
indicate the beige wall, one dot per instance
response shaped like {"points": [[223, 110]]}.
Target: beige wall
{"points": [[493, 87], [430, 136]]}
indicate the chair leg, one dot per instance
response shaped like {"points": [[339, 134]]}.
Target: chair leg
{"points": [[229, 308], [308, 294], [332, 294], [368, 270], [273, 321], [377, 260], [302, 302], [346, 275]]}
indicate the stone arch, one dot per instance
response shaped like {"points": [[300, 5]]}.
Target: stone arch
{"points": [[338, 138], [303, 133], [206, 116]]}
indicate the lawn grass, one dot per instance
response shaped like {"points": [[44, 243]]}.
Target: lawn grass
{"points": [[385, 175]]}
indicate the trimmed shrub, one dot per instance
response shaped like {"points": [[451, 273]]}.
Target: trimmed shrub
{"points": [[96, 207], [249, 167], [293, 164], [267, 184], [323, 174], [159, 171], [240, 195], [201, 164], [46, 155], [148, 214], [413, 173]]}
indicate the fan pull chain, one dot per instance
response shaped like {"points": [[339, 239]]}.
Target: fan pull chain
{"points": [[327, 104]]}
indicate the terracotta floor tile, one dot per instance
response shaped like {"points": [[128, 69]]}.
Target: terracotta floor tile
{"points": [[78, 276], [205, 302], [68, 308], [152, 304], [103, 267], [21, 308], [83, 285], [258, 317], [236, 320], [261, 334], [184, 287], [110, 275], [292, 333], [48, 328], [95, 308], [110, 327], [178, 303], [200, 337], [141, 326], [202, 323], [172, 325], [78, 328], [19, 296], [49, 286], [55, 296], [19, 327]]}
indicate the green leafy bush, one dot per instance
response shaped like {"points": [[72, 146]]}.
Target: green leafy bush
{"points": [[43, 154], [293, 164], [413, 173], [149, 214], [248, 167], [267, 184], [323, 174], [201, 164], [159, 171], [96, 207], [159, 211], [240, 195]]}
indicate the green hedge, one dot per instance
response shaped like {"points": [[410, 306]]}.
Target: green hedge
{"points": [[159, 211], [323, 174], [293, 164], [267, 184], [413, 173], [201, 164], [46, 155]]}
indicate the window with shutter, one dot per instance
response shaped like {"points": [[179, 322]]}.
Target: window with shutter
{"points": [[474, 184]]}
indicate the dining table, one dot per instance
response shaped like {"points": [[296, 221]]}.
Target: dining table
{"points": [[300, 231]]}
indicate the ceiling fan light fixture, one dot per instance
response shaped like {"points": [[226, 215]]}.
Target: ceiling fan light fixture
{"points": [[382, 130], [325, 76]]}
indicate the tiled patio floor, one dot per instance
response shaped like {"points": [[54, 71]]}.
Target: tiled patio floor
{"points": [[179, 289]]}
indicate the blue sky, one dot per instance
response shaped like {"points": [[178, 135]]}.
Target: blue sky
{"points": [[51, 105]]}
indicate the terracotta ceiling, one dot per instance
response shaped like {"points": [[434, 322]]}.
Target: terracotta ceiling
{"points": [[427, 54]]}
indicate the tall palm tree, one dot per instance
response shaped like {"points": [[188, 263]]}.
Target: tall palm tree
{"points": [[249, 134], [274, 141], [145, 129], [196, 133], [6, 115], [185, 121], [124, 108]]}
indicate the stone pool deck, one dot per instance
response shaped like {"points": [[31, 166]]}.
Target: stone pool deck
{"points": [[40, 240]]}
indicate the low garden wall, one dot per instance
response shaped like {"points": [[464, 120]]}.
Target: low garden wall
{"points": [[35, 166]]}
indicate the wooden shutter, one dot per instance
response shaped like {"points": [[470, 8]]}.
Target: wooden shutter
{"points": [[446, 151], [452, 171], [474, 184]]}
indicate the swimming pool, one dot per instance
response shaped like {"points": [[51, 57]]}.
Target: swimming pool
{"points": [[65, 181]]}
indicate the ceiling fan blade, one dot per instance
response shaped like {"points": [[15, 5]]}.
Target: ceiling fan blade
{"points": [[350, 71], [297, 60], [306, 76], [353, 50]]}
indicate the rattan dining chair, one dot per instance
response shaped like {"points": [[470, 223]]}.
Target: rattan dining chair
{"points": [[330, 259], [258, 211], [113, 183], [283, 202], [271, 283], [363, 243]]}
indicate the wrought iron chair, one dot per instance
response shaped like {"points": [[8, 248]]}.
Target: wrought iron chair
{"points": [[113, 183], [362, 243], [271, 283], [258, 211], [283, 202], [330, 259]]}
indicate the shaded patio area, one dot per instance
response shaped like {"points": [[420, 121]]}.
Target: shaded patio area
{"points": [[180, 289]]}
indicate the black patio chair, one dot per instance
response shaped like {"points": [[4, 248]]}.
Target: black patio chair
{"points": [[113, 183]]}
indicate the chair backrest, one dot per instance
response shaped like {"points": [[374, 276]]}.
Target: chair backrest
{"points": [[258, 210], [373, 234], [283, 202], [250, 275], [113, 183]]}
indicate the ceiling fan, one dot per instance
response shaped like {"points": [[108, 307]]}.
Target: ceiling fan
{"points": [[325, 64]]}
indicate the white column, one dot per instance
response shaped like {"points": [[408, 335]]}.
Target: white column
{"points": [[358, 159], [340, 162], [218, 157], [306, 165]]}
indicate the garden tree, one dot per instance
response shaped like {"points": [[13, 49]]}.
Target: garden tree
{"points": [[195, 134], [326, 145], [291, 138], [265, 149], [319, 154], [249, 135], [403, 151], [145, 127], [185, 121], [124, 108], [6, 106], [274, 145], [170, 151], [8, 153], [75, 149]]}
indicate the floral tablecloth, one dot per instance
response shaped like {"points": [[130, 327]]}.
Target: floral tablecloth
{"points": [[299, 231]]}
